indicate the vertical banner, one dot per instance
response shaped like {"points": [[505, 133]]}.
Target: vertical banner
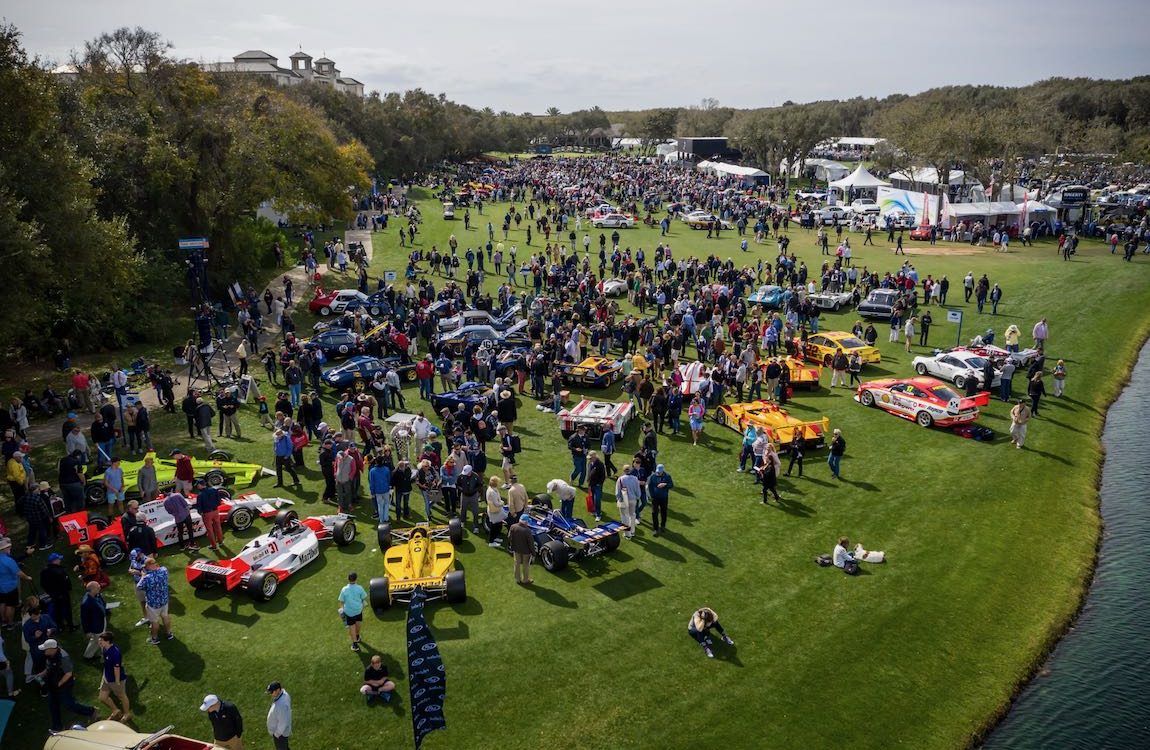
{"points": [[425, 672]]}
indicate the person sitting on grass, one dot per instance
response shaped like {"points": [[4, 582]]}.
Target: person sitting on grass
{"points": [[375, 682], [842, 557], [702, 623]]}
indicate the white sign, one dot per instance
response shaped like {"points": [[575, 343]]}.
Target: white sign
{"points": [[390, 275], [954, 316]]}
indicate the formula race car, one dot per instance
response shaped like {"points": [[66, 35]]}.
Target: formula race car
{"points": [[767, 295], [559, 540], [217, 471], [112, 735], [470, 394], [822, 347], [594, 415], [268, 560], [422, 556], [365, 368], [106, 536], [927, 401], [598, 372], [958, 367], [778, 424]]}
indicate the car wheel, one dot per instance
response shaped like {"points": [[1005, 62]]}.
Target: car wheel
{"points": [[344, 532], [867, 398], [285, 517], [554, 555], [612, 542], [959, 381], [409, 376], [325, 311], [379, 594], [111, 550], [924, 419], [721, 416], [836, 306], [241, 519], [262, 586], [375, 311], [456, 587], [455, 531], [219, 454], [95, 494], [383, 535], [99, 522], [920, 368], [216, 478], [202, 582], [343, 348]]}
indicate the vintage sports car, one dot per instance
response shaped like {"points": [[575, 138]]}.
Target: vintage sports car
{"points": [[268, 560], [480, 318], [594, 415], [614, 288], [217, 471], [767, 295], [335, 343], [822, 347], [880, 303], [956, 366], [778, 424], [422, 556], [928, 401], [112, 735], [106, 536], [920, 233], [470, 394], [803, 374], [326, 303], [833, 301], [598, 372], [455, 341], [998, 356], [558, 540], [365, 368]]}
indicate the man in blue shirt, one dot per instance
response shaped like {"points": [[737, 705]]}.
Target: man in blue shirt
{"points": [[351, 600], [154, 584], [10, 575], [283, 451], [115, 679], [38, 628], [659, 487]]}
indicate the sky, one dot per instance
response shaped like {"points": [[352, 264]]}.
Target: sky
{"points": [[522, 56]]}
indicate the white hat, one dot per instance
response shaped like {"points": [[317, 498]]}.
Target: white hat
{"points": [[209, 701], [5, 543], [50, 643]]}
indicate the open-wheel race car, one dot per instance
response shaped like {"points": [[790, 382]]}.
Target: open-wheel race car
{"points": [[422, 556], [598, 372], [106, 535], [778, 424], [559, 540], [595, 415], [217, 471], [804, 373], [268, 560]]}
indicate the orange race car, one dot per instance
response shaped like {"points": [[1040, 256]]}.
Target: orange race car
{"points": [[803, 374], [779, 425]]}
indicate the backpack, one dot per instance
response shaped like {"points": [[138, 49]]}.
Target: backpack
{"points": [[851, 567], [516, 444], [824, 561]]}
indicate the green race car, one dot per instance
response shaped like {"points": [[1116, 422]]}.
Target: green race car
{"points": [[218, 470]]}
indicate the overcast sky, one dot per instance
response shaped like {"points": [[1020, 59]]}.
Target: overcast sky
{"points": [[524, 56]]}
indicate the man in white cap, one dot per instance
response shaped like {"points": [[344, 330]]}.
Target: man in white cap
{"points": [[227, 724], [58, 678]]}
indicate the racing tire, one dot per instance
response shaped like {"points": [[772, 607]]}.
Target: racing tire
{"points": [[325, 311], [343, 348], [455, 587], [959, 381], [866, 398], [383, 535], [99, 522], [721, 416], [344, 532], [920, 368], [378, 594], [543, 499], [375, 311], [95, 494], [409, 376], [455, 531], [202, 582], [612, 542], [241, 519], [285, 518], [262, 586], [216, 478], [111, 550], [924, 419], [219, 454], [554, 555]]}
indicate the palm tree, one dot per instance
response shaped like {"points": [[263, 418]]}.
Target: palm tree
{"points": [[553, 112]]}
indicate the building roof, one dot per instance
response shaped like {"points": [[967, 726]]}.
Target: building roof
{"points": [[301, 55], [350, 81], [254, 54], [325, 60]]}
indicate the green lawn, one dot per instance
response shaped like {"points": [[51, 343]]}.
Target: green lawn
{"points": [[988, 551]]}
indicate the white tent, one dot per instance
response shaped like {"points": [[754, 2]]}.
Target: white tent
{"points": [[859, 179], [1036, 211], [746, 175], [986, 211]]}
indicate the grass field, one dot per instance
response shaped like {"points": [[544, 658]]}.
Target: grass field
{"points": [[988, 547]]}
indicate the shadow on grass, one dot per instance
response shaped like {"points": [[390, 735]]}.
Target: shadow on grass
{"points": [[861, 485], [658, 550], [1052, 456], [187, 665], [793, 507], [1063, 425], [728, 654], [628, 584], [709, 557], [681, 518], [551, 596]]}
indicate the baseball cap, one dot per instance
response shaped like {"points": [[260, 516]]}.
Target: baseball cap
{"points": [[209, 701], [659, 469], [54, 557], [5, 543], [50, 643], [274, 686]]}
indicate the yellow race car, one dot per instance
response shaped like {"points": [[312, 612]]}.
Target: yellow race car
{"points": [[822, 347], [422, 556], [779, 425], [803, 374], [598, 372]]}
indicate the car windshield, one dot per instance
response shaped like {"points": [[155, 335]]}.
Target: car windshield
{"points": [[850, 342], [944, 392], [976, 362]]}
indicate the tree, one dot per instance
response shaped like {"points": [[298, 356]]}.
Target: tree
{"points": [[658, 126]]}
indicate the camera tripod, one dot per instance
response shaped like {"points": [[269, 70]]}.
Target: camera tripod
{"points": [[200, 366]]}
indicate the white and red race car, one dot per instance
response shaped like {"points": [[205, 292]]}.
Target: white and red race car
{"points": [[594, 415], [106, 535], [268, 560], [927, 401]]}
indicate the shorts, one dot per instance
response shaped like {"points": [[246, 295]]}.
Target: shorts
{"points": [[156, 615], [349, 620], [10, 598], [141, 597], [118, 689], [115, 497], [508, 462]]}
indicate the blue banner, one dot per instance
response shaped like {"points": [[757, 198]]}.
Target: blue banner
{"points": [[425, 672]]}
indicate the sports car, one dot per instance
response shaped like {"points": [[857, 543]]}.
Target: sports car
{"points": [[514, 335], [920, 233], [375, 304], [268, 560], [803, 374], [352, 320], [998, 355], [614, 288], [617, 220], [558, 540], [880, 302], [778, 424], [422, 556], [106, 536], [958, 367], [701, 220], [506, 359], [822, 347], [469, 393], [598, 372], [335, 343], [834, 301], [365, 368], [768, 295], [217, 471], [326, 303], [480, 318], [113, 735], [594, 415], [928, 401]]}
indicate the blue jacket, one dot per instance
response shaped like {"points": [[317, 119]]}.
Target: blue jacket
{"points": [[608, 444], [93, 614], [379, 480], [659, 493], [283, 447]]}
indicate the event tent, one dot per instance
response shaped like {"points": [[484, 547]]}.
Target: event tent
{"points": [[986, 212], [745, 175], [1037, 210], [860, 179]]}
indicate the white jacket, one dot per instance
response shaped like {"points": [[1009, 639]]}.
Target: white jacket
{"points": [[279, 716]]}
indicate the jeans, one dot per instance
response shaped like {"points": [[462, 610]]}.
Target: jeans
{"points": [[450, 500], [1004, 389], [597, 497], [834, 461], [295, 389], [426, 503], [701, 635], [744, 454], [344, 493], [578, 468], [382, 505], [63, 697], [659, 513], [282, 463], [402, 503], [673, 420], [469, 506], [567, 508], [38, 534]]}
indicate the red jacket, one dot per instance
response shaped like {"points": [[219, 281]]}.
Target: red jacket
{"points": [[425, 369]]}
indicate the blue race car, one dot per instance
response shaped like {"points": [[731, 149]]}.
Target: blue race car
{"points": [[768, 295], [375, 304], [455, 341], [504, 364], [335, 343], [559, 540], [468, 394], [365, 368]]}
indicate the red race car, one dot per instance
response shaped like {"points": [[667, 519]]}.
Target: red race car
{"points": [[928, 401], [337, 302]]}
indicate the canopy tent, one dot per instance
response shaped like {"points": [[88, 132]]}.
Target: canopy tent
{"points": [[745, 175], [1032, 211], [860, 179], [822, 170], [989, 213]]}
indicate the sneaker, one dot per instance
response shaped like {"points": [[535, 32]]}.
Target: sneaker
{"points": [[474, 529], [740, 469], [727, 640], [707, 650], [141, 622], [355, 647], [171, 636], [154, 641], [494, 544]]}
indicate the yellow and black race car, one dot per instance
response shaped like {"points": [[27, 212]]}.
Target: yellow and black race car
{"points": [[422, 556]]}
